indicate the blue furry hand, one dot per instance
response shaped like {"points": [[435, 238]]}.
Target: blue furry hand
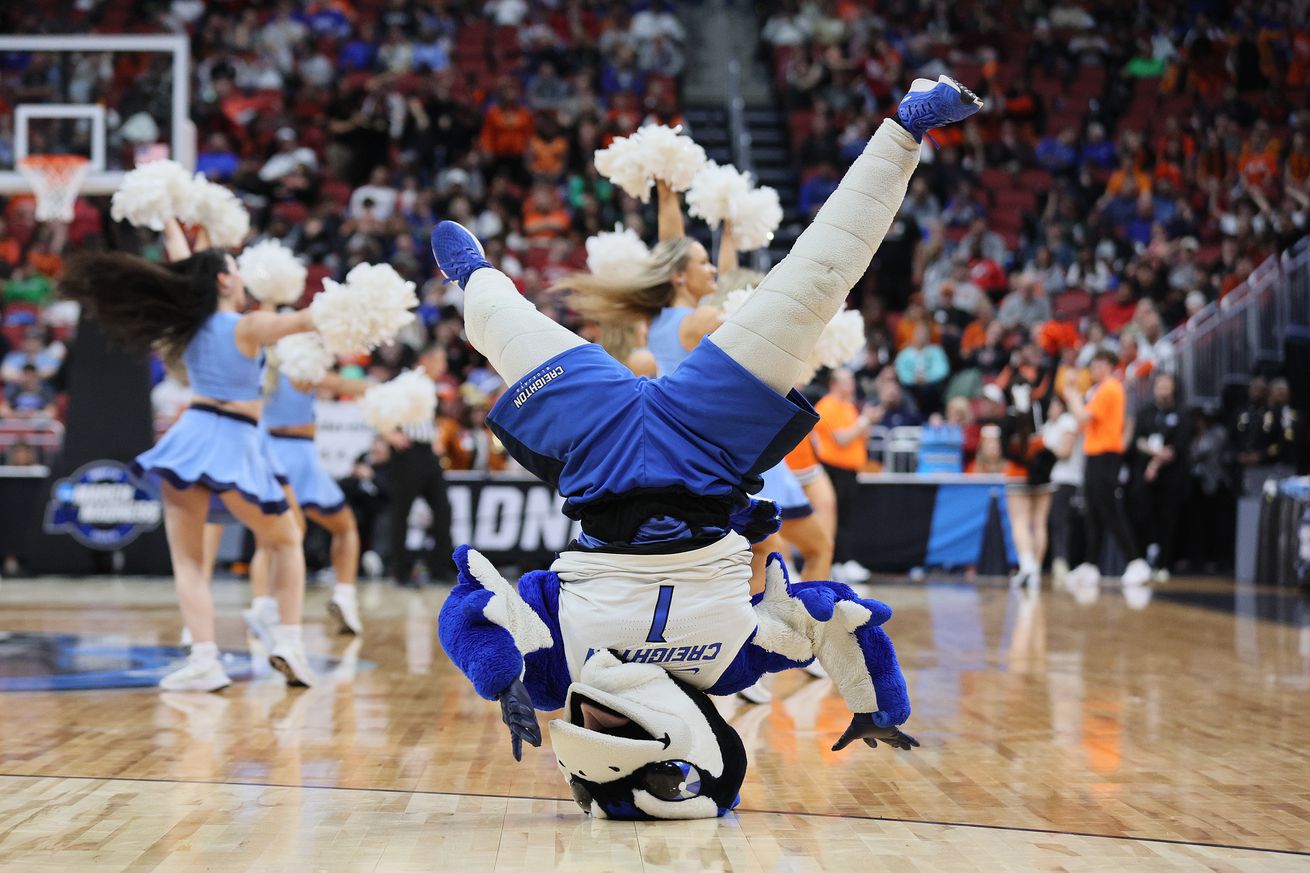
{"points": [[517, 713], [874, 726]]}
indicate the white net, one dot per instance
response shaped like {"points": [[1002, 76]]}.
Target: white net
{"points": [[55, 180]]}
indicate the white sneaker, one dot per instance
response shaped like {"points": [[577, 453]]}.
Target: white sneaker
{"points": [[815, 669], [259, 627], [197, 675], [756, 693], [1138, 572], [855, 572], [1085, 574], [371, 564], [1161, 575], [346, 612], [289, 660]]}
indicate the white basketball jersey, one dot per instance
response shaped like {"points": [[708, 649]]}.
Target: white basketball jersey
{"points": [[688, 612]]}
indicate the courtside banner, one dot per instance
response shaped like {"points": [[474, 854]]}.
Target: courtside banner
{"points": [[511, 518]]}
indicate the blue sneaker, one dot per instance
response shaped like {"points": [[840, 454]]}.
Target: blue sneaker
{"points": [[458, 252], [930, 104]]}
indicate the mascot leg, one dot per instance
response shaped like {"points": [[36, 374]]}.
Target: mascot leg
{"points": [[515, 338], [775, 330]]}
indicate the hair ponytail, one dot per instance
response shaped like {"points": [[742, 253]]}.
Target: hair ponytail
{"points": [[142, 304], [636, 298]]}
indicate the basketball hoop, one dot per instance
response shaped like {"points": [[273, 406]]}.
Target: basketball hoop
{"points": [[55, 180]]}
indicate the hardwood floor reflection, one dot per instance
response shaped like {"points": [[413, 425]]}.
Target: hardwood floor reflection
{"points": [[1056, 735]]}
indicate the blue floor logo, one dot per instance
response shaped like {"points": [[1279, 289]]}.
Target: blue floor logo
{"points": [[100, 506]]}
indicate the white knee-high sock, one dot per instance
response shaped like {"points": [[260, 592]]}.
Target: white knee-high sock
{"points": [[775, 330], [508, 329]]}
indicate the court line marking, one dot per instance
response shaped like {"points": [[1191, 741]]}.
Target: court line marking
{"points": [[836, 815]]}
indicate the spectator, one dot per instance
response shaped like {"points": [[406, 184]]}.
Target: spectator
{"points": [[547, 90], [816, 189], [1102, 418], [31, 353], [841, 435], [1060, 436], [1280, 428], [1162, 436], [1026, 305], [506, 131], [922, 369], [28, 397], [377, 199], [1206, 513], [893, 407], [288, 157]]}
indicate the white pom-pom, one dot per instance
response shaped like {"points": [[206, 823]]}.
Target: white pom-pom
{"points": [[409, 398], [272, 272], [756, 218], [152, 194], [669, 156], [368, 310], [656, 151], [219, 212], [617, 254], [840, 343], [734, 300], [619, 163], [302, 357], [390, 299], [715, 191]]}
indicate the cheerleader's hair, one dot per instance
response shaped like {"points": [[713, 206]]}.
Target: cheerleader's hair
{"points": [[631, 299], [142, 304]]}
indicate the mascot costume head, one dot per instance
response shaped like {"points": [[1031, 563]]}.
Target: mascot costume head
{"points": [[635, 743]]}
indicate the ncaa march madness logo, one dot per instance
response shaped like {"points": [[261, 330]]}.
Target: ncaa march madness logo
{"points": [[100, 506]]}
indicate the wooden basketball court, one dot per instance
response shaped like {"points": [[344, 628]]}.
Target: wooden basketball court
{"points": [[1112, 735]]}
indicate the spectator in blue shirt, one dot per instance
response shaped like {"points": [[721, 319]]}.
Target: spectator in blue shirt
{"points": [[816, 189], [1058, 153], [32, 353], [922, 368], [1098, 151]]}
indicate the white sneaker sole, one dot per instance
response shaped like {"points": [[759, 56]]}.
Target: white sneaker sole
{"points": [[339, 616], [283, 666]]}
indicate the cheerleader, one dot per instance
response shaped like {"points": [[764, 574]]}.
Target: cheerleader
{"points": [[190, 310], [289, 422], [658, 471]]}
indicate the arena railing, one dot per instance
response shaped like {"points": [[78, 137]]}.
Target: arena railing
{"points": [[44, 436], [1225, 340]]}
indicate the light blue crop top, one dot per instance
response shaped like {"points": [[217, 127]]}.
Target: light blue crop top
{"points": [[216, 367], [663, 338], [287, 407]]}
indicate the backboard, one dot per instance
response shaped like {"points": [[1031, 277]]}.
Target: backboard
{"points": [[76, 96]]}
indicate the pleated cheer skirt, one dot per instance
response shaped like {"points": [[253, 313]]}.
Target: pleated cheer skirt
{"points": [[314, 487], [218, 450]]}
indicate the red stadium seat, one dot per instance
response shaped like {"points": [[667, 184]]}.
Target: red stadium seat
{"points": [[1072, 304]]}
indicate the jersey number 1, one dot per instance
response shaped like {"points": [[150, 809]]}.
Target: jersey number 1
{"points": [[661, 618]]}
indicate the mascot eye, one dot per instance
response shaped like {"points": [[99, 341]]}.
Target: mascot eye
{"points": [[672, 780]]}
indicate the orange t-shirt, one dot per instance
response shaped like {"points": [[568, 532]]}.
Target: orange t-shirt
{"points": [[835, 415], [803, 457], [1105, 427]]}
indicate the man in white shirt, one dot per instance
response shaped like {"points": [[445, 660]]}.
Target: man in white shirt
{"points": [[379, 192], [287, 158]]}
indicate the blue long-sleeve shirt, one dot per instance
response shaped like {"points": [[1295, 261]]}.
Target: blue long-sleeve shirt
{"points": [[931, 359]]}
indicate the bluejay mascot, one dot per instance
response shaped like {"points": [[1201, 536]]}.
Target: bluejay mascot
{"points": [[639, 737]]}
